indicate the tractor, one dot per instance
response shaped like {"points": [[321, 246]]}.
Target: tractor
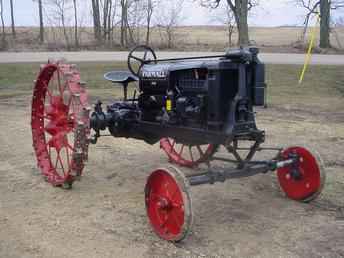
{"points": [[193, 106]]}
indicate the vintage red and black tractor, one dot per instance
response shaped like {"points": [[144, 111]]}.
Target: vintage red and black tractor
{"points": [[191, 105]]}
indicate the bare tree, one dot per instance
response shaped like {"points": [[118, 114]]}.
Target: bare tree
{"points": [[107, 9], [58, 13], [168, 19], [136, 20], [76, 38], [338, 23], [323, 7], [3, 37], [311, 9], [149, 13], [41, 22], [96, 20], [240, 9], [113, 22], [12, 20], [124, 22], [129, 19], [225, 16]]}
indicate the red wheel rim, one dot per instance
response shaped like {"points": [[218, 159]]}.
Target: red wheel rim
{"points": [[187, 155], [60, 123], [168, 204], [312, 178]]}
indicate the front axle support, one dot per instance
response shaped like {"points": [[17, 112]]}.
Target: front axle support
{"points": [[252, 168]]}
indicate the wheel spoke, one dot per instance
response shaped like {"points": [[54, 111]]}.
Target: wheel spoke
{"points": [[136, 58], [145, 55], [181, 150], [56, 162], [68, 158], [173, 143], [50, 94], [191, 155], [201, 153], [61, 163], [59, 82], [70, 147]]}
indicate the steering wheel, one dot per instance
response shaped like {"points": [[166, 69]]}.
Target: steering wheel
{"points": [[136, 60]]}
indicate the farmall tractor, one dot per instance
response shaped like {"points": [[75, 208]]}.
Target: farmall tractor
{"points": [[192, 105]]}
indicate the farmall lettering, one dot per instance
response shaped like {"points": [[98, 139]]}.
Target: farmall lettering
{"points": [[154, 74]]}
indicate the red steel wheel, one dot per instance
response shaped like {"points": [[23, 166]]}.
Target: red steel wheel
{"points": [[168, 204], [187, 155], [60, 123], [312, 178]]}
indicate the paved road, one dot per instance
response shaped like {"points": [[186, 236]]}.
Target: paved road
{"points": [[26, 57]]}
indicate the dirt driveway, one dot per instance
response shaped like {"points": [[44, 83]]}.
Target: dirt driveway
{"points": [[104, 215]]}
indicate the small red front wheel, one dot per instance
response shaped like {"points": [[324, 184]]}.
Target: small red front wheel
{"points": [[306, 183], [168, 204]]}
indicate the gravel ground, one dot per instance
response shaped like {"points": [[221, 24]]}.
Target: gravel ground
{"points": [[104, 215]]}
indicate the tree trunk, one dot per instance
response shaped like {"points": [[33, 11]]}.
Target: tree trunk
{"points": [[304, 32], [96, 20], [41, 24], [242, 22], [122, 27], [112, 22], [240, 10], [3, 38], [124, 22], [12, 20], [230, 34], [64, 28], [109, 28], [325, 24], [105, 18], [148, 34], [149, 17], [76, 38]]}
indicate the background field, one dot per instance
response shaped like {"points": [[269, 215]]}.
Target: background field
{"points": [[191, 38], [104, 216]]}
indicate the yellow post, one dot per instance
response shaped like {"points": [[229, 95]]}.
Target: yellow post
{"points": [[309, 52]]}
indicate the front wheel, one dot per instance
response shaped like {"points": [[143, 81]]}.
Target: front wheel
{"points": [[307, 182], [168, 204]]}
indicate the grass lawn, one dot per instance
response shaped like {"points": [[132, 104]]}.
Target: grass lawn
{"points": [[323, 85]]}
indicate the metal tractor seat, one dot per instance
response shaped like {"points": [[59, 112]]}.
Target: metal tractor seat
{"points": [[121, 77]]}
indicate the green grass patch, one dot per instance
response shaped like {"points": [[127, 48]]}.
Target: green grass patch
{"points": [[321, 83]]}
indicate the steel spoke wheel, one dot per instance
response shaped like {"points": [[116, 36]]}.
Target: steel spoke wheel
{"points": [[187, 155], [168, 204], [60, 123], [309, 180]]}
